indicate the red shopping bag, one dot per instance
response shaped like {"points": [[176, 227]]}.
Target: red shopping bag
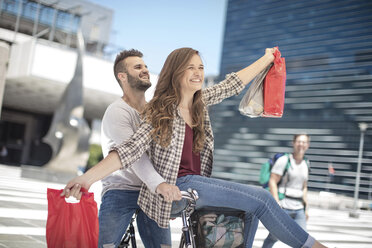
{"points": [[71, 225], [274, 87]]}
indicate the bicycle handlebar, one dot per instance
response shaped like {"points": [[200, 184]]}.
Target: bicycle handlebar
{"points": [[190, 195]]}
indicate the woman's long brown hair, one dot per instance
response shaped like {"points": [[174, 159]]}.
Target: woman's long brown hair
{"points": [[159, 112]]}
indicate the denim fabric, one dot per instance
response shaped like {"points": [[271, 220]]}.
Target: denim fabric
{"points": [[254, 200], [116, 211], [298, 216]]}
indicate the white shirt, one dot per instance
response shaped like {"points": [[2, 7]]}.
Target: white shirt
{"points": [[119, 122], [292, 183]]}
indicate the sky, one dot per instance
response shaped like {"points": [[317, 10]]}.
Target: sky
{"points": [[157, 27]]}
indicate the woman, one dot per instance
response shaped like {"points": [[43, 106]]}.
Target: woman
{"points": [[177, 133]]}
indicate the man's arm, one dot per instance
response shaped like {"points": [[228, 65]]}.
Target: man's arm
{"points": [[275, 176], [104, 168], [273, 186], [304, 198], [118, 125]]}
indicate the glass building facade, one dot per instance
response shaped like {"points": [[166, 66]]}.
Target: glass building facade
{"points": [[59, 21], [32, 10], [328, 50]]}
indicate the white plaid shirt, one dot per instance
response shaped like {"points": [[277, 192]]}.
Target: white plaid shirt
{"points": [[167, 160]]}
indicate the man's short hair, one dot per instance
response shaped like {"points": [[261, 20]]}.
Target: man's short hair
{"points": [[119, 65], [300, 134]]}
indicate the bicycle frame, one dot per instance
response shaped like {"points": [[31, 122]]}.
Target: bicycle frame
{"points": [[129, 236], [187, 239]]}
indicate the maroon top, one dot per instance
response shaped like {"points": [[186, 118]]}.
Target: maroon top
{"points": [[190, 162]]}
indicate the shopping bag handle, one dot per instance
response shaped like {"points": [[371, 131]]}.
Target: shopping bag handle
{"points": [[277, 55], [86, 196]]}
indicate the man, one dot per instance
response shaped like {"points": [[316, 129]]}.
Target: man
{"points": [[120, 190], [292, 171]]}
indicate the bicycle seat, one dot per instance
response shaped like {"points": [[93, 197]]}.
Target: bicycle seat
{"points": [[177, 207]]}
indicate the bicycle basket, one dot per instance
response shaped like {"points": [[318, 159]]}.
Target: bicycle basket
{"points": [[218, 227]]}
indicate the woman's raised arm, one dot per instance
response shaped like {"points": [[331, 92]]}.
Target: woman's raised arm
{"points": [[248, 73]]}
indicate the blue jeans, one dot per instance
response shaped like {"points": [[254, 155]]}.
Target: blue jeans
{"points": [[116, 211], [256, 201], [297, 215]]}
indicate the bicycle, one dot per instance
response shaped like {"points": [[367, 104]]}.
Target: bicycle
{"points": [[190, 218], [187, 238]]}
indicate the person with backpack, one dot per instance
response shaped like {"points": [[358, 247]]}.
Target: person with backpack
{"points": [[288, 183]]}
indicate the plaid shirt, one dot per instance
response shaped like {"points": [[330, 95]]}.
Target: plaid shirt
{"points": [[167, 160]]}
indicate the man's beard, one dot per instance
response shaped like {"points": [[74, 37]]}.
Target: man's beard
{"points": [[137, 83]]}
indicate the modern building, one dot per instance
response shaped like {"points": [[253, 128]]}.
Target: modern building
{"points": [[42, 36], [328, 50]]}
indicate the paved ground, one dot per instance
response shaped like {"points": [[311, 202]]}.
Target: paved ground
{"points": [[23, 214]]}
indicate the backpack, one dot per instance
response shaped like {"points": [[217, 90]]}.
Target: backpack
{"points": [[266, 167]]}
